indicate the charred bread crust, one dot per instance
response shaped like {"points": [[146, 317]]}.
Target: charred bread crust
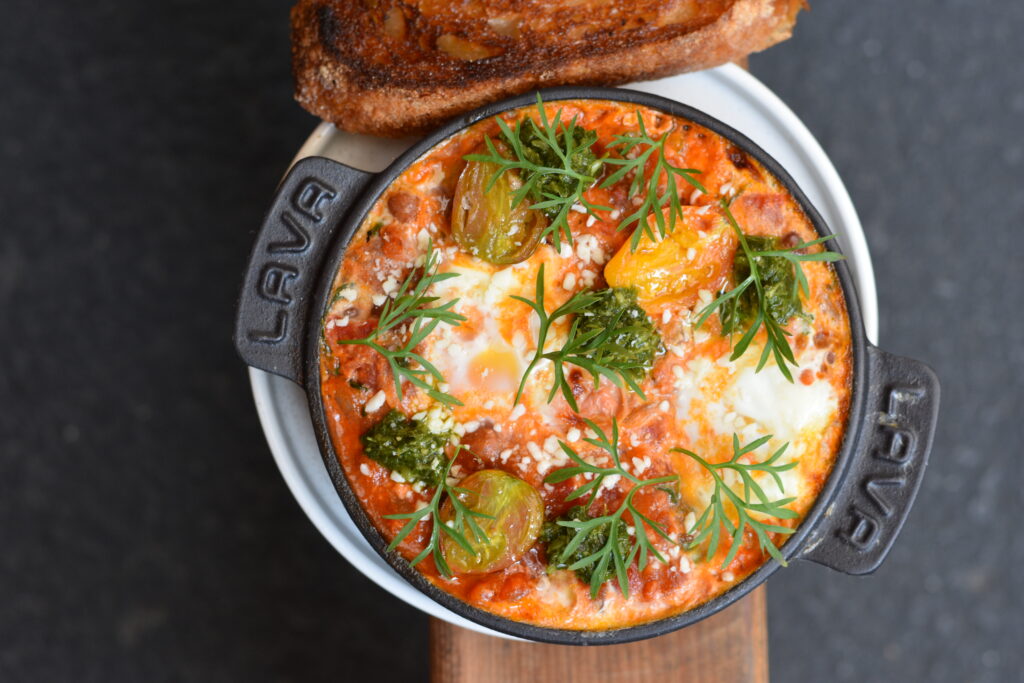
{"points": [[395, 69]]}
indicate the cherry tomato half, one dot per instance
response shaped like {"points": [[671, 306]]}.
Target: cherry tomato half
{"points": [[485, 224], [517, 513]]}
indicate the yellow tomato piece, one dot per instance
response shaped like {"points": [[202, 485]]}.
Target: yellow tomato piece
{"points": [[696, 255]]}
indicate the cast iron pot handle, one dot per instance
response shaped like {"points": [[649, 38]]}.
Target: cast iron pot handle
{"points": [[285, 263], [860, 525]]}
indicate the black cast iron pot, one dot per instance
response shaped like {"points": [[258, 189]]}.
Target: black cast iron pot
{"points": [[851, 527]]}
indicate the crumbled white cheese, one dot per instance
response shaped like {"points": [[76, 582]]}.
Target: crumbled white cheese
{"points": [[374, 404], [422, 239], [365, 469], [610, 482], [640, 465], [589, 250], [437, 419]]}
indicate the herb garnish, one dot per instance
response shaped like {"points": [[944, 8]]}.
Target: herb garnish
{"points": [[555, 164], [411, 307], [456, 528], [373, 231], [607, 340], [754, 301], [646, 147], [709, 525], [557, 538], [335, 298], [611, 555]]}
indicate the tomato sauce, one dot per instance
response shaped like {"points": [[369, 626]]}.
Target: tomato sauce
{"points": [[695, 397]]}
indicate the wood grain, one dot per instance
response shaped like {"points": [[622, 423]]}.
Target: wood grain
{"points": [[729, 647]]}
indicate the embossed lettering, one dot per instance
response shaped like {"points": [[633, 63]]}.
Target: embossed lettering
{"points": [[299, 240], [309, 195], [873, 489], [861, 534], [899, 447], [275, 280], [893, 443], [275, 335], [901, 396], [902, 441]]}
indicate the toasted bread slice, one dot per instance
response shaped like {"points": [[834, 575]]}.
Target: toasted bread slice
{"points": [[395, 68]]}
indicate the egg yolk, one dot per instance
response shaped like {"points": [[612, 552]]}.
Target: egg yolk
{"points": [[495, 370]]}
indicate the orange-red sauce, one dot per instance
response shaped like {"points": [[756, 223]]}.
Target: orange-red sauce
{"points": [[695, 397]]}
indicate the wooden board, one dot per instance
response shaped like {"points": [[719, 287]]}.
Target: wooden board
{"points": [[729, 647]]}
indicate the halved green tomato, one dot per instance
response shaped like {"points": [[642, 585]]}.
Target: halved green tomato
{"points": [[485, 224], [517, 514]]}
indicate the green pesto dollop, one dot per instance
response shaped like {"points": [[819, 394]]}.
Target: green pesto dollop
{"points": [[782, 296], [633, 341], [558, 537], [408, 447], [537, 150]]}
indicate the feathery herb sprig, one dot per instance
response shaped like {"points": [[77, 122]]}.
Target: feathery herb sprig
{"points": [[455, 529], [776, 345], [555, 179], [411, 306], [647, 147], [599, 351], [716, 516], [610, 555]]}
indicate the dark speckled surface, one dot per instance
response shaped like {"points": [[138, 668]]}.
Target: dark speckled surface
{"points": [[924, 119], [146, 532]]}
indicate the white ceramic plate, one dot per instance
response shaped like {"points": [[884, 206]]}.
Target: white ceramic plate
{"points": [[727, 93]]}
